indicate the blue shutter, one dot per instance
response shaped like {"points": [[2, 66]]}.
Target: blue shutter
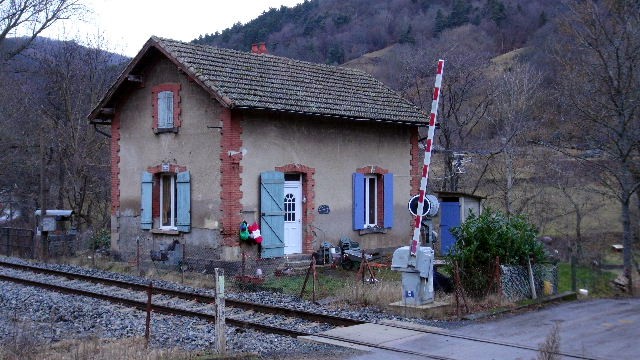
{"points": [[358, 201], [272, 213], [165, 109], [146, 219], [183, 184], [388, 201]]}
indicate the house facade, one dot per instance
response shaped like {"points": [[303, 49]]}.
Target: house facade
{"points": [[203, 139]]}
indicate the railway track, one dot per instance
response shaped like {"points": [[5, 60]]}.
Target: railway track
{"points": [[166, 301], [245, 315]]}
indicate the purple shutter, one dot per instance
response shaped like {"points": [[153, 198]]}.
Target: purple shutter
{"points": [[358, 201], [388, 200]]}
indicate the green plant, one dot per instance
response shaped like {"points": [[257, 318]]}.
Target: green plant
{"points": [[483, 239], [100, 239]]}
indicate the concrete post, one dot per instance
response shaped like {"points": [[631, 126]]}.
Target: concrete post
{"points": [[221, 334]]}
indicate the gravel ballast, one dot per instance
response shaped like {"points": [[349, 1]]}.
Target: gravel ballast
{"points": [[50, 317]]}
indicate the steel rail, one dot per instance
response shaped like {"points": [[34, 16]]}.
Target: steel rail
{"points": [[142, 305], [244, 305]]}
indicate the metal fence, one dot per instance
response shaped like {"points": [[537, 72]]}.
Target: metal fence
{"points": [[17, 242], [516, 283]]}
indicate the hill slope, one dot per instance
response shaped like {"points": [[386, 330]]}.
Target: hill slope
{"points": [[335, 31]]}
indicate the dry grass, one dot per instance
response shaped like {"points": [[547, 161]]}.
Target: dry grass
{"points": [[378, 294], [551, 346], [87, 349], [101, 349]]}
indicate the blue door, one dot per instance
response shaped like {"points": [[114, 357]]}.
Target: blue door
{"points": [[449, 218], [272, 213]]}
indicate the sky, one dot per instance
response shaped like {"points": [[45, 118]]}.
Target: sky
{"points": [[126, 25]]}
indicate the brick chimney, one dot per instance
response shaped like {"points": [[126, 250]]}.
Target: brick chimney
{"points": [[259, 48]]}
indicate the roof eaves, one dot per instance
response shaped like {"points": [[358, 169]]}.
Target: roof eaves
{"points": [[328, 115], [120, 79], [157, 43]]}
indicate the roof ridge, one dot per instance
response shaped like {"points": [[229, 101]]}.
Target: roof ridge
{"points": [[277, 57]]}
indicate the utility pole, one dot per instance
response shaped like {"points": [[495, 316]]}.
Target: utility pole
{"points": [[44, 235]]}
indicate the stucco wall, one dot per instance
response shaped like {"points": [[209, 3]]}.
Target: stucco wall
{"points": [[335, 149], [195, 146]]}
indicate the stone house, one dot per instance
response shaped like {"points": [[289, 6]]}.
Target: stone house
{"points": [[203, 138]]}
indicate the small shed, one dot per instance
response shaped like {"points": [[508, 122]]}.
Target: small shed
{"points": [[61, 234], [455, 207], [54, 220]]}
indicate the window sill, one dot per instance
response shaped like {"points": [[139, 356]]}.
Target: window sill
{"points": [[373, 230], [165, 130], [165, 231]]}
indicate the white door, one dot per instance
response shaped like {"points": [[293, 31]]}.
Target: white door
{"points": [[292, 217]]}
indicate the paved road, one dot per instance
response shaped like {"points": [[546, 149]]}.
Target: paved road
{"points": [[602, 329]]}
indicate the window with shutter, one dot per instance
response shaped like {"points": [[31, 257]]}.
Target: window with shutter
{"points": [[372, 199], [168, 203], [166, 107]]}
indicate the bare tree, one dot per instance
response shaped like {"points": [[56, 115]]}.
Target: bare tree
{"points": [[465, 100], [74, 77], [29, 18], [600, 63], [516, 96], [51, 95]]}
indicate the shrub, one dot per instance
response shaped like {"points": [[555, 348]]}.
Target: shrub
{"points": [[480, 239], [101, 239]]}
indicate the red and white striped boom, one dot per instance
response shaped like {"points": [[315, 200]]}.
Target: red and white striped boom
{"points": [[415, 242]]}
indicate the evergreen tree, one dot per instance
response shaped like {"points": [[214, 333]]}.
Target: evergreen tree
{"points": [[497, 11], [336, 55], [459, 13], [542, 20], [407, 36], [440, 23]]}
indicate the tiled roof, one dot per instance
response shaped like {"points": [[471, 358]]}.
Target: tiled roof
{"points": [[262, 81]]}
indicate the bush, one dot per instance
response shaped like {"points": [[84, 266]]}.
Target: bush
{"points": [[101, 239], [480, 239]]}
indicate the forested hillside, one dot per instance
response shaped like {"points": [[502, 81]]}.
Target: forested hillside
{"points": [[335, 31]]}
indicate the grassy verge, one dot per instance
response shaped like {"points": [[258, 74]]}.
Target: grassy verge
{"points": [[597, 281], [343, 286]]}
